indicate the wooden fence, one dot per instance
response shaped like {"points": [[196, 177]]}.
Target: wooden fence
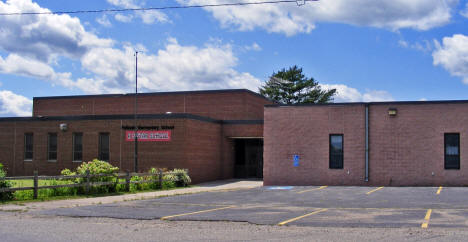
{"points": [[155, 177]]}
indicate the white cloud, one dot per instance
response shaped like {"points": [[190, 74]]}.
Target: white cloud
{"points": [[464, 12], [254, 47], [147, 17], [123, 18], [349, 94], [377, 96], [108, 68], [452, 55], [104, 21], [290, 19], [175, 67], [403, 43], [29, 67], [44, 37], [14, 104], [424, 46], [151, 16], [124, 3]]}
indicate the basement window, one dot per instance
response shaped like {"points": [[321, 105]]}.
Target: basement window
{"points": [[452, 151], [336, 151]]}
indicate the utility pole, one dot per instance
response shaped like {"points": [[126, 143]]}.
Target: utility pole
{"points": [[135, 115]]}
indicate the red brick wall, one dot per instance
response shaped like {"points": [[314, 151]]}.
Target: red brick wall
{"points": [[229, 105], [151, 154], [203, 150], [305, 131], [196, 145], [7, 145], [404, 150]]}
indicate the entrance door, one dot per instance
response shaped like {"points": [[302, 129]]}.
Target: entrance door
{"points": [[249, 158]]}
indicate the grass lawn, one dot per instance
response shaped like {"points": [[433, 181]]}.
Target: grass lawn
{"points": [[69, 193], [30, 183]]}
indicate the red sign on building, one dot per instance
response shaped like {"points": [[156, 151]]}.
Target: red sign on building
{"points": [[145, 135]]}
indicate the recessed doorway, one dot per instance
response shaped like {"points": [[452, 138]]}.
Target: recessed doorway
{"points": [[248, 158]]}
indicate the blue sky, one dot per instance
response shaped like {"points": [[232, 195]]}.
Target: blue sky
{"points": [[368, 50]]}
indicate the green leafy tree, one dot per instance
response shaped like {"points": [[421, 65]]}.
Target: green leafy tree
{"points": [[292, 87]]}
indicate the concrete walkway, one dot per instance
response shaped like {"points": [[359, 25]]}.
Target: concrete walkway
{"points": [[222, 185]]}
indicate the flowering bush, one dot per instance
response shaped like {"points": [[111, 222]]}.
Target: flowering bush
{"points": [[95, 167], [179, 177], [182, 178]]}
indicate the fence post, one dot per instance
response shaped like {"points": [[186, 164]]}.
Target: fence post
{"points": [[127, 181], [87, 182], [160, 179], [35, 185]]}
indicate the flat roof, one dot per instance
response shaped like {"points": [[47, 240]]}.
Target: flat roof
{"points": [[370, 103], [130, 117], [155, 94]]}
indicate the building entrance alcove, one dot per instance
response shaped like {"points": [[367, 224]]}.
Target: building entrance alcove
{"points": [[248, 158]]}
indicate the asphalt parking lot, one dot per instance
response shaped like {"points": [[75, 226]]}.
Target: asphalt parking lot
{"points": [[371, 207]]}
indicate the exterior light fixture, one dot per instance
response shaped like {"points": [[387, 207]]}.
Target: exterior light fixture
{"points": [[63, 127], [392, 112]]}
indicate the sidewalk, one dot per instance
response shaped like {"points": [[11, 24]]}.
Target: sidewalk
{"points": [[223, 185]]}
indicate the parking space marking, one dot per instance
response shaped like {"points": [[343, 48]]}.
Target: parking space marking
{"points": [[303, 216], [374, 190], [427, 218], [438, 191], [202, 211], [322, 187]]}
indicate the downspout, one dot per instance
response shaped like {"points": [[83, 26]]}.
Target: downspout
{"points": [[367, 143]]}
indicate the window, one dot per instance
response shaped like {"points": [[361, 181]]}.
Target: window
{"points": [[52, 147], [452, 150], [336, 151], [104, 146], [28, 146], [77, 146]]}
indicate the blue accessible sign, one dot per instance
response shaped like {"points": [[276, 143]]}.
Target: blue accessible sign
{"points": [[295, 160]]}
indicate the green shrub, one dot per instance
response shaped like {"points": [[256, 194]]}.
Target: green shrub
{"points": [[168, 185], [4, 196], [95, 167], [182, 178], [136, 186]]}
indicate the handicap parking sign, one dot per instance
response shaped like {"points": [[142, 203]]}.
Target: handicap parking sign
{"points": [[296, 160]]}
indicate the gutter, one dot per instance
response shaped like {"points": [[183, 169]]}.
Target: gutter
{"points": [[367, 144]]}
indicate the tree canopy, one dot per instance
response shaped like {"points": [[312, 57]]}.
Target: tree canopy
{"points": [[292, 87]]}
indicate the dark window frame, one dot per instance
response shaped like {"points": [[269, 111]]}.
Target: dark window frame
{"points": [[74, 151], [102, 155], [26, 150], [49, 151], [451, 158], [332, 164]]}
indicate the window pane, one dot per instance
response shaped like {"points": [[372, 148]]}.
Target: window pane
{"points": [[336, 143], [336, 151], [452, 151], [28, 146], [104, 146], [77, 146], [52, 147]]}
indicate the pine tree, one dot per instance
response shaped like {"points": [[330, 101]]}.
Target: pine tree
{"points": [[292, 87]]}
